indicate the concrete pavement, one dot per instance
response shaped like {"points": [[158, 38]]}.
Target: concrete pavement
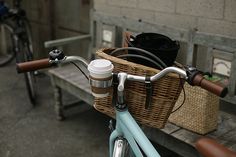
{"points": [[27, 131]]}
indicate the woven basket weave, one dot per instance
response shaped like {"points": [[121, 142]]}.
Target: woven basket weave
{"points": [[199, 113], [165, 93]]}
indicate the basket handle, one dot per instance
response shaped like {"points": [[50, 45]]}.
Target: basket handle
{"points": [[141, 57], [157, 59]]}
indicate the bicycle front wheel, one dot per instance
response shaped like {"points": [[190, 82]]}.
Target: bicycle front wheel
{"points": [[7, 52]]}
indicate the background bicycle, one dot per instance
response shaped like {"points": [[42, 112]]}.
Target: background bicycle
{"points": [[16, 41]]}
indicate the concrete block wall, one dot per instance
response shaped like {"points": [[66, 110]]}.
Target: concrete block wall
{"points": [[39, 15], [210, 16], [72, 19]]}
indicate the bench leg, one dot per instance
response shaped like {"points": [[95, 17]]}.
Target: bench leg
{"points": [[59, 108]]}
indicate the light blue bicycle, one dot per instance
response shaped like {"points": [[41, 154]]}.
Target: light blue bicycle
{"points": [[127, 138]]}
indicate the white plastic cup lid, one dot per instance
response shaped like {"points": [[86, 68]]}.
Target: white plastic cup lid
{"points": [[100, 66]]}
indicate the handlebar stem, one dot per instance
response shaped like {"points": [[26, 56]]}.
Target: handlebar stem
{"points": [[121, 86], [122, 78]]}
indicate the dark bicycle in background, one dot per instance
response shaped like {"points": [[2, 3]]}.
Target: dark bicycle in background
{"points": [[16, 40]]}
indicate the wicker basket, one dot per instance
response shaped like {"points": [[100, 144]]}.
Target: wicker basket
{"points": [[165, 93], [199, 113]]}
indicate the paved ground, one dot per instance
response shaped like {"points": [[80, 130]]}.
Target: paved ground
{"points": [[27, 131]]}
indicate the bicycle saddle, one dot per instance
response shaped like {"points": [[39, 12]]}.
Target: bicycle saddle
{"points": [[210, 148]]}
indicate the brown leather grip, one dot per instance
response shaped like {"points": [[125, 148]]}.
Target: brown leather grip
{"points": [[214, 88], [210, 148], [33, 65]]}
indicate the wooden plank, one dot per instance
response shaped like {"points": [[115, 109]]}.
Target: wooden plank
{"points": [[225, 133], [73, 76], [164, 139], [216, 41], [170, 128], [73, 81], [229, 139], [226, 123], [190, 49], [233, 147], [65, 41], [78, 92], [186, 136], [182, 141], [232, 79]]}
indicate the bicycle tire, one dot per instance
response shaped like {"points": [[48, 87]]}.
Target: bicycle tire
{"points": [[30, 76], [7, 48], [30, 81], [26, 54], [122, 148]]}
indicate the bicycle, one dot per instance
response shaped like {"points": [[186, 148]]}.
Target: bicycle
{"points": [[127, 138], [16, 41]]}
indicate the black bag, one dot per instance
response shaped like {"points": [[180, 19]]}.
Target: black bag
{"points": [[158, 44]]}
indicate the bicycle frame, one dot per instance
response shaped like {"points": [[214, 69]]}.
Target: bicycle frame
{"points": [[18, 16], [127, 127]]}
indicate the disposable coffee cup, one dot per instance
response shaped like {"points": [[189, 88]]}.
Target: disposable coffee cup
{"points": [[100, 76]]}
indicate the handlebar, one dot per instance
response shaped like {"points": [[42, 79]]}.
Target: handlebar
{"points": [[194, 78], [210, 148], [220, 91], [33, 65]]}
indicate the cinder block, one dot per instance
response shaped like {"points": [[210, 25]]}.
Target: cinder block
{"points": [[107, 9], [176, 20], [100, 2], [67, 17], [76, 48], [40, 33], [217, 27], [157, 5], [144, 15], [37, 10], [230, 11], [123, 3], [204, 8]]}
